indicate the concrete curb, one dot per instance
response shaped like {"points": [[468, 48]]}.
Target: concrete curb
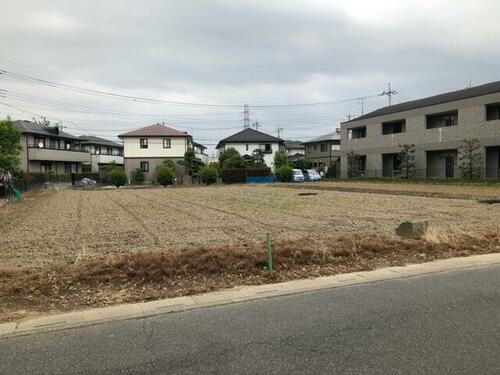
{"points": [[238, 294]]}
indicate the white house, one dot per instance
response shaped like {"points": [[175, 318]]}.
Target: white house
{"points": [[102, 152], [147, 148], [247, 140]]}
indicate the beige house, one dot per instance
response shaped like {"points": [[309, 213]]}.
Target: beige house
{"points": [[147, 148], [47, 149], [324, 151], [435, 125]]}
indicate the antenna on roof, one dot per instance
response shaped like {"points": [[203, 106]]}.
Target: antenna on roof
{"points": [[389, 93], [256, 124]]}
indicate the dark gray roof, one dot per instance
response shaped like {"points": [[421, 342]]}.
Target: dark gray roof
{"points": [[293, 144], [489, 88], [93, 140], [248, 135], [199, 145], [34, 128], [327, 137]]}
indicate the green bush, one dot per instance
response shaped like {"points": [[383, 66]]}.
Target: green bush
{"points": [[302, 164], [169, 163], [281, 159], [165, 175], [284, 173], [137, 176], [259, 172], [117, 177], [208, 175], [226, 154], [235, 161]]}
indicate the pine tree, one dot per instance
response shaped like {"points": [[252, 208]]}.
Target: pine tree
{"points": [[470, 159]]}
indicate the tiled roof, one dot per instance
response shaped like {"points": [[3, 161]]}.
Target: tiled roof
{"points": [[248, 135], [327, 137], [156, 130], [93, 140], [489, 88], [294, 144], [34, 128]]}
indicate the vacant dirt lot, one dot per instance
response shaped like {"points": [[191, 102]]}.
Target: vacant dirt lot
{"points": [[71, 226]]}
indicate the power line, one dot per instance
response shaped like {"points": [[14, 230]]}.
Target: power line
{"points": [[159, 101]]}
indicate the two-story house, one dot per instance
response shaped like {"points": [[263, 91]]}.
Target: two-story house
{"points": [[248, 140], [102, 152], [436, 125], [48, 148], [324, 151], [294, 149], [199, 150], [147, 148]]}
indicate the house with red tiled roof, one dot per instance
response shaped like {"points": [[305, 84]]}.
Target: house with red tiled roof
{"points": [[147, 148]]}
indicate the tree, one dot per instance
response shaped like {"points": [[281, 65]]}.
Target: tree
{"points": [[191, 163], [332, 169], [169, 163], [302, 164], [281, 159], [137, 176], [10, 148], [165, 175], [407, 160], [284, 173], [208, 175], [227, 154], [258, 158], [117, 177], [353, 165], [470, 158], [43, 121], [235, 161]]}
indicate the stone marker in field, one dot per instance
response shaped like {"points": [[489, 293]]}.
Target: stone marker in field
{"points": [[412, 229]]}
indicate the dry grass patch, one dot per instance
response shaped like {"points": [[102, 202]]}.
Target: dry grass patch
{"points": [[151, 275]]}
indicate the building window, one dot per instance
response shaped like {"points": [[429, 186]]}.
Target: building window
{"points": [[393, 127], [324, 147], [336, 146], [309, 150], [45, 166], [441, 120], [68, 145], [39, 142], [144, 143], [266, 149], [493, 112], [145, 166], [315, 147], [167, 143], [356, 133], [246, 146]]}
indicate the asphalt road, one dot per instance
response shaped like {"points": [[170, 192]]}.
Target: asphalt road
{"points": [[445, 323]]}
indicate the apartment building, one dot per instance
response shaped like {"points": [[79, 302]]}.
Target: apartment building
{"points": [[102, 152], [147, 148], [247, 140], [48, 148], [436, 125], [324, 151]]}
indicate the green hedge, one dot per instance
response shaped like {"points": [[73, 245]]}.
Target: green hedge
{"points": [[239, 175]]}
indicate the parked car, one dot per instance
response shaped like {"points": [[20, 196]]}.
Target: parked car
{"points": [[313, 175], [298, 176]]}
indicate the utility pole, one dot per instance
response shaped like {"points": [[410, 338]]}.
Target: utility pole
{"points": [[246, 117], [362, 99], [279, 130], [389, 93]]}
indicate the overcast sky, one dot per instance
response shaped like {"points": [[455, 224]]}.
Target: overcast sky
{"points": [[234, 52]]}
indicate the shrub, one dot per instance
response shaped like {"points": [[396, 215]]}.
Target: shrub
{"points": [[117, 177], [169, 163], [302, 164], [258, 172], [165, 175], [208, 175], [353, 165], [137, 176], [284, 173], [470, 159]]}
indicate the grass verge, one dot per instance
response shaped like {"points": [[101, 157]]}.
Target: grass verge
{"points": [[153, 275]]}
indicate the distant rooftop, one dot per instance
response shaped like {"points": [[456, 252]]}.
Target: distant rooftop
{"points": [[248, 135], [489, 88], [156, 130], [93, 140], [327, 137], [294, 144], [48, 131]]}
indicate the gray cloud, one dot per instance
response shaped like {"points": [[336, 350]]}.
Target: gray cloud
{"points": [[245, 51]]}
